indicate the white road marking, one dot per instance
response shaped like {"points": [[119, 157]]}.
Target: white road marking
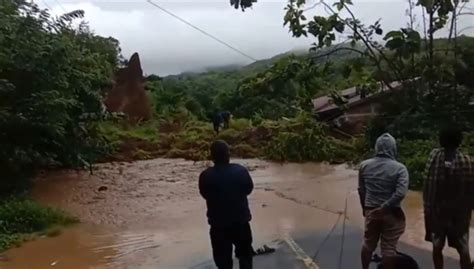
{"points": [[300, 254]]}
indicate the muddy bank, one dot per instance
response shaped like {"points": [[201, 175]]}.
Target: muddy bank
{"points": [[149, 214]]}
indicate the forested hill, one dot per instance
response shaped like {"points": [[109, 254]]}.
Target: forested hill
{"points": [[204, 93], [270, 87], [249, 69], [262, 65]]}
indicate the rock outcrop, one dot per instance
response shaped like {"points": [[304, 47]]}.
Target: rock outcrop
{"points": [[127, 93]]}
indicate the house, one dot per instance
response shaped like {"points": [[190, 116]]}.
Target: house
{"points": [[358, 108]]}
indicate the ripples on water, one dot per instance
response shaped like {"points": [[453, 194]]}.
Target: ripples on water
{"points": [[152, 215]]}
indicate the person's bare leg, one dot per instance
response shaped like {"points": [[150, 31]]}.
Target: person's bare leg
{"points": [[438, 259], [366, 257], [464, 258]]}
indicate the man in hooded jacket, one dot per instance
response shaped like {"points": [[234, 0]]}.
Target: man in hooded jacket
{"points": [[383, 184], [225, 187]]}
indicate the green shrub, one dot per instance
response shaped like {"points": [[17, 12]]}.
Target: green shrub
{"points": [[48, 107], [245, 151], [20, 217], [176, 153], [141, 154], [414, 155], [310, 144], [231, 136], [240, 124], [115, 131]]}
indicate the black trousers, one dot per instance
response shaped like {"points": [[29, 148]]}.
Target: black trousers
{"points": [[216, 128], [224, 238]]}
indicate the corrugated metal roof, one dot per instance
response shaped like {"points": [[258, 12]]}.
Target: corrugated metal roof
{"points": [[325, 103]]}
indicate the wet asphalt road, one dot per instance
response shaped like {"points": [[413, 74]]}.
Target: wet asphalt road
{"points": [[328, 257]]}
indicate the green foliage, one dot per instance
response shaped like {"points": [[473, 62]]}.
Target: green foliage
{"points": [[243, 4], [115, 131], [302, 139], [272, 88], [20, 217], [283, 90], [414, 154], [288, 139], [50, 80], [437, 87], [240, 124], [405, 42]]}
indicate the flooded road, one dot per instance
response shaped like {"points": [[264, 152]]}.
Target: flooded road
{"points": [[149, 214]]}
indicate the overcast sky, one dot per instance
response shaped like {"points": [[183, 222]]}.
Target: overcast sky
{"points": [[168, 46]]}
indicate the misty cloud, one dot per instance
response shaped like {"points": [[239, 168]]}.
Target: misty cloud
{"points": [[168, 46]]}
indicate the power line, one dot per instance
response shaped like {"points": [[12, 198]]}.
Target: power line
{"points": [[46, 4], [202, 31], [61, 6], [315, 256]]}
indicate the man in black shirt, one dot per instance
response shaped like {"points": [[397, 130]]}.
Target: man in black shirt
{"points": [[225, 188], [217, 122]]}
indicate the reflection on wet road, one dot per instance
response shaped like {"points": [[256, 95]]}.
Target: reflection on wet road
{"points": [[151, 215]]}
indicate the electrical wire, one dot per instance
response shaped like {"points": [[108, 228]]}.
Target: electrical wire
{"points": [[315, 256], [60, 5], [201, 31], [46, 4]]}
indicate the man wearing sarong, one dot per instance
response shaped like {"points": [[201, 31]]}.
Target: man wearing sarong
{"points": [[448, 198]]}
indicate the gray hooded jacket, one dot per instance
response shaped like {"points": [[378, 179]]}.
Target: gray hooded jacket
{"points": [[383, 182]]}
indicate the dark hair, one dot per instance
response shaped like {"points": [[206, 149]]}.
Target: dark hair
{"points": [[220, 152], [450, 138]]}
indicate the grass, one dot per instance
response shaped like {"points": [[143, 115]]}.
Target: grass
{"points": [[174, 139], [22, 219], [116, 131]]}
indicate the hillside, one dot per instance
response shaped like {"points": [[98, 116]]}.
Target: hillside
{"points": [[262, 65]]}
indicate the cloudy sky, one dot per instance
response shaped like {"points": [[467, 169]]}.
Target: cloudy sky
{"points": [[168, 46]]}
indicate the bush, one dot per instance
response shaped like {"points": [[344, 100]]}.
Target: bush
{"points": [[295, 139], [414, 154], [240, 124], [245, 151], [231, 136], [20, 217], [47, 107], [301, 140]]}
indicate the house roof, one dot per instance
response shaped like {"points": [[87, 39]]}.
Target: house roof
{"points": [[325, 103]]}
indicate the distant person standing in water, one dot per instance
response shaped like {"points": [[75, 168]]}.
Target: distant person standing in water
{"points": [[221, 118], [383, 184], [217, 122], [448, 196], [226, 116], [225, 187]]}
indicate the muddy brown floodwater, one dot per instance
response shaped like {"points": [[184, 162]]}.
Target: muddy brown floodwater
{"points": [[150, 214]]}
